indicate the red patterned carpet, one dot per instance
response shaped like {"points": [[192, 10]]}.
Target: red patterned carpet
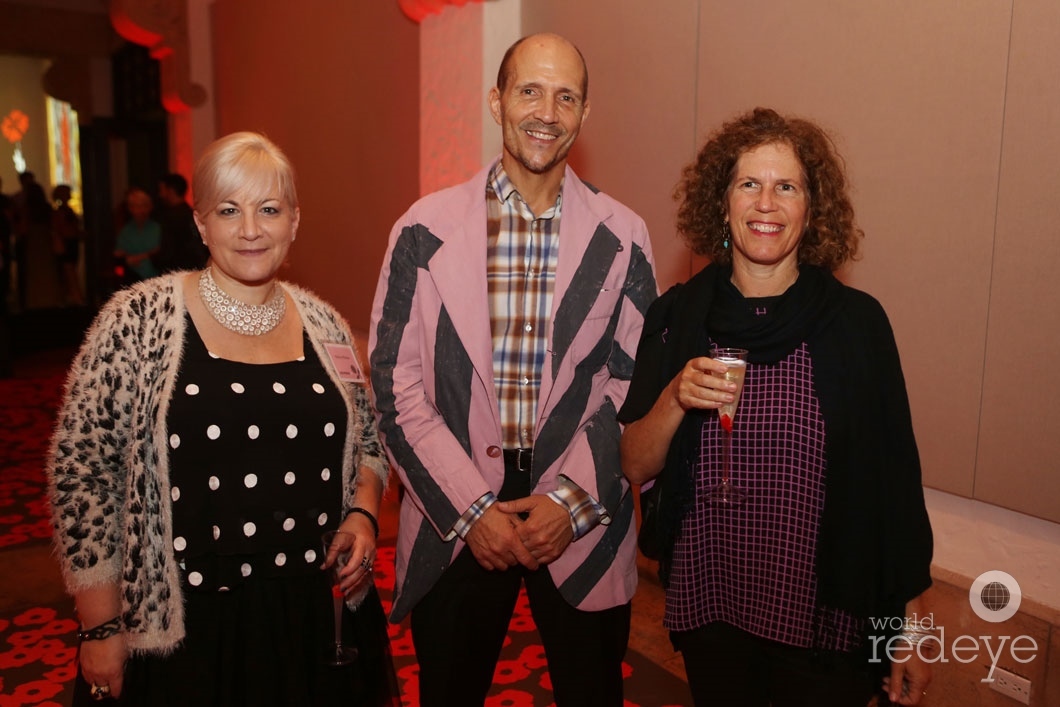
{"points": [[37, 642], [26, 416]]}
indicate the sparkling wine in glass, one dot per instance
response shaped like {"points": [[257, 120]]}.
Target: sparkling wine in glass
{"points": [[337, 654], [726, 493]]}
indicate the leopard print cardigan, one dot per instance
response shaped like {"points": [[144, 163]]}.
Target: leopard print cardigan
{"points": [[108, 467]]}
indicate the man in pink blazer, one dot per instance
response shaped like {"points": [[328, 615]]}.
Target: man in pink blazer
{"points": [[503, 332]]}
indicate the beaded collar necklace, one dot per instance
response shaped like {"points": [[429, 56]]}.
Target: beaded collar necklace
{"points": [[240, 317]]}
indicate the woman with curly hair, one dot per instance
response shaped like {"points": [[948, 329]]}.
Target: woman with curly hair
{"points": [[776, 597]]}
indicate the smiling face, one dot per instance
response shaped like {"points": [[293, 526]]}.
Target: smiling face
{"points": [[767, 210], [248, 234], [541, 106]]}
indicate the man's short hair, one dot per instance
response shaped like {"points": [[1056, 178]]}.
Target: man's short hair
{"points": [[504, 73]]}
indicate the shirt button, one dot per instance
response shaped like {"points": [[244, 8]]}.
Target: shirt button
{"points": [[493, 451], [526, 381], [529, 327]]}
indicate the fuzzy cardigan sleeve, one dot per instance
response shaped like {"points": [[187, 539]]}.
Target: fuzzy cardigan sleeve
{"points": [[103, 430]]}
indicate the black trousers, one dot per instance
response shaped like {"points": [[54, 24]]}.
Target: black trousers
{"points": [[458, 629], [728, 666]]}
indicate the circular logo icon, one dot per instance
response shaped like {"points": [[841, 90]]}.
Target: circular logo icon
{"points": [[995, 596]]}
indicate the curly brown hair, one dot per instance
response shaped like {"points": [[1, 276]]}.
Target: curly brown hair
{"points": [[831, 236]]}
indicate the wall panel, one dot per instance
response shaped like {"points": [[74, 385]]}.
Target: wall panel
{"points": [[642, 82], [337, 86], [1019, 448], [914, 99]]}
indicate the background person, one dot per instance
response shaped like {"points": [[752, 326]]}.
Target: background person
{"points": [[182, 247], [768, 600], [197, 462], [140, 239], [37, 286], [67, 236], [502, 338]]}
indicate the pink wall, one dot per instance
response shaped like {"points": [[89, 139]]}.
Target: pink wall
{"points": [[336, 85]]}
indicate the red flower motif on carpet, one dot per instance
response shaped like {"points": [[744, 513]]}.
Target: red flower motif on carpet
{"points": [[31, 693], [510, 698], [509, 671]]}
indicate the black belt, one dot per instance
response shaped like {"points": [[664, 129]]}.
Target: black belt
{"points": [[520, 459]]}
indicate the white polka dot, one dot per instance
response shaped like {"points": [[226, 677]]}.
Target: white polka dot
{"points": [[288, 524], [212, 354], [278, 388], [238, 388], [216, 533], [318, 389], [322, 519], [253, 432], [288, 478], [292, 431], [245, 569], [310, 556], [300, 358], [250, 480], [215, 483], [249, 529], [222, 589], [180, 544], [329, 429], [174, 441], [281, 559], [325, 474], [191, 389], [174, 493], [213, 431], [194, 579]]}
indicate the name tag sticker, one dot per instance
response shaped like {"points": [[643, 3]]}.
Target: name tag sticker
{"points": [[345, 362]]}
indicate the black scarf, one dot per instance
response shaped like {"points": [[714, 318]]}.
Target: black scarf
{"points": [[805, 308]]}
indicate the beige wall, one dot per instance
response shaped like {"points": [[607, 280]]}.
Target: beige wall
{"points": [[944, 111], [642, 87], [335, 84], [948, 113]]}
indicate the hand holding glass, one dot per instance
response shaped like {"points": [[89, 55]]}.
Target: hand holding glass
{"points": [[338, 654], [726, 493]]}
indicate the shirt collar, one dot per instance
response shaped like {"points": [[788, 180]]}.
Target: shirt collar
{"points": [[502, 186]]}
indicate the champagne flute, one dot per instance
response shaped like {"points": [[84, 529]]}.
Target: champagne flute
{"points": [[726, 493], [338, 654]]}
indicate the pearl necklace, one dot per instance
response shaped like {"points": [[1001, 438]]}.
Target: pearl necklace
{"points": [[240, 317]]}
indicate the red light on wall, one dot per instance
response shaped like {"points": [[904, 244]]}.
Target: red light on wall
{"points": [[15, 125]]}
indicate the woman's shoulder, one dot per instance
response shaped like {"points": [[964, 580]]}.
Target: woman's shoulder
{"points": [[860, 303], [321, 312]]}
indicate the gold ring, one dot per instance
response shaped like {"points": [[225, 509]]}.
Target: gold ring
{"points": [[98, 692]]}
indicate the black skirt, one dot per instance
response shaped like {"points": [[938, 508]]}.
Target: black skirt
{"points": [[264, 643]]}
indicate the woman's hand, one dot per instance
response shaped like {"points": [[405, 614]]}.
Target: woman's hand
{"points": [[645, 442], [103, 662], [357, 537], [696, 386], [910, 676]]}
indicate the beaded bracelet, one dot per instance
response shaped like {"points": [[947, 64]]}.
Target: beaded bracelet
{"points": [[370, 517], [104, 630]]}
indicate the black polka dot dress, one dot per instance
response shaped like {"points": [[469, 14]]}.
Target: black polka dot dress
{"points": [[255, 479], [256, 468]]}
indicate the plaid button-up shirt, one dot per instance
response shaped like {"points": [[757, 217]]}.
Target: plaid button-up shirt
{"points": [[523, 250]]}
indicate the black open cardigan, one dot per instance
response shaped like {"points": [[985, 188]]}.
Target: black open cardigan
{"points": [[875, 544]]}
